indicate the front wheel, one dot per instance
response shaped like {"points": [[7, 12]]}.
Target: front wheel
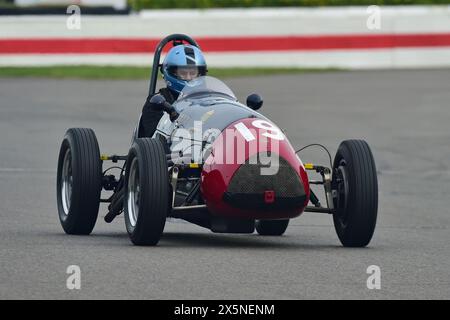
{"points": [[355, 193], [271, 227], [146, 191], [79, 181]]}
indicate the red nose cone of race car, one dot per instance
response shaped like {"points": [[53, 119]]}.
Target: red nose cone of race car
{"points": [[253, 172]]}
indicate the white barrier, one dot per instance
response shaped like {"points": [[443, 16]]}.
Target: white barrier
{"points": [[426, 42]]}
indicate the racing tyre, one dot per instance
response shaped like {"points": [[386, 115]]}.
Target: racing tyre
{"points": [[146, 191], [271, 227], [79, 181], [355, 193]]}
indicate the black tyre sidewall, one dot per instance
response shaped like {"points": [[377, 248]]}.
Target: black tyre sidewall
{"points": [[154, 187], [362, 198], [87, 177]]}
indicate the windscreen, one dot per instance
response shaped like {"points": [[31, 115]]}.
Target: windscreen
{"points": [[206, 86]]}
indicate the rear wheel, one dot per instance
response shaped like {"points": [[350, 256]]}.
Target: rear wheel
{"points": [[146, 191], [271, 227], [79, 181], [355, 193]]}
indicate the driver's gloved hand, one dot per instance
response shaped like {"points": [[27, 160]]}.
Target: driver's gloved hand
{"points": [[174, 116], [151, 115], [159, 102]]}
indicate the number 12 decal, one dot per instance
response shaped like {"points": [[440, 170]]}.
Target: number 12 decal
{"points": [[271, 131]]}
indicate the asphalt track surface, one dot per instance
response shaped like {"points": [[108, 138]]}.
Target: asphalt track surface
{"points": [[404, 115]]}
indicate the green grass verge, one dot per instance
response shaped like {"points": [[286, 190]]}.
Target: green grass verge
{"points": [[6, 5], [204, 4], [124, 72]]}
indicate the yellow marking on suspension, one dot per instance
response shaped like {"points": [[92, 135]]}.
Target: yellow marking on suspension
{"points": [[104, 157], [194, 165], [309, 166]]}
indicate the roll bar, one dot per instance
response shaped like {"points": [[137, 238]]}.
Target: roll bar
{"points": [[177, 39]]}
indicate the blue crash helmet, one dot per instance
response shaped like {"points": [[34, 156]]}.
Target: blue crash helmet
{"points": [[182, 64]]}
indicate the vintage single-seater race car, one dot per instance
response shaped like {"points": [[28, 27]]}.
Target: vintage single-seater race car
{"points": [[217, 163]]}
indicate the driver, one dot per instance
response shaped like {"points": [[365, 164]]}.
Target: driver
{"points": [[182, 63]]}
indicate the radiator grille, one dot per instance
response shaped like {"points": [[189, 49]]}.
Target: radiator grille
{"points": [[248, 180]]}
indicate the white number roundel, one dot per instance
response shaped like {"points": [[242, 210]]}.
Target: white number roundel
{"points": [[271, 131]]}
